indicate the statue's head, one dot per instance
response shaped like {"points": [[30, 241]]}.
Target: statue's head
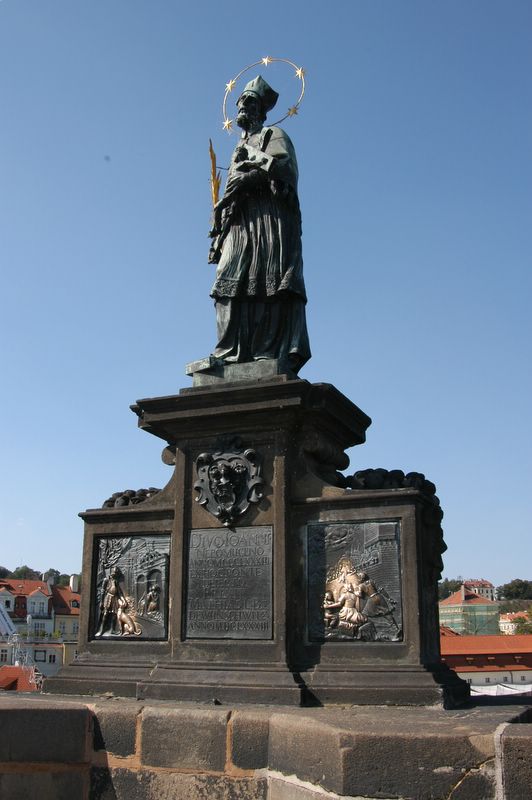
{"points": [[254, 103]]}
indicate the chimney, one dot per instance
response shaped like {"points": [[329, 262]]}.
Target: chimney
{"points": [[74, 583], [463, 592]]}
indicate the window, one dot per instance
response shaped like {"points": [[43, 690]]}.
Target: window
{"points": [[7, 603], [39, 626], [487, 680], [505, 678], [523, 677], [468, 680], [41, 607], [51, 658], [75, 628], [74, 604], [62, 628], [3, 656], [39, 655]]}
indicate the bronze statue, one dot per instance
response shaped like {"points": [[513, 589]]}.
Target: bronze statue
{"points": [[259, 290]]}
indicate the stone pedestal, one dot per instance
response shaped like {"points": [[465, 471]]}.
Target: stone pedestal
{"points": [[257, 574]]}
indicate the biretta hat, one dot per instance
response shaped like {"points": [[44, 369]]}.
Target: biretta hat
{"points": [[265, 93]]}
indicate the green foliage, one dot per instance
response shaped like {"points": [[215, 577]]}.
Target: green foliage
{"points": [[4, 573], [25, 573], [52, 573], [510, 606], [523, 625], [63, 580], [517, 589], [447, 586]]}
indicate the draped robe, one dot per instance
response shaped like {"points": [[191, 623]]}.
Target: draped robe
{"points": [[259, 290]]}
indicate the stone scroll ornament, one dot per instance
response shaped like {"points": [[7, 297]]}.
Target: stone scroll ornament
{"points": [[229, 481]]}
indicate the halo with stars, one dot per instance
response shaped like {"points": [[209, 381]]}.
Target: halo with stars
{"points": [[264, 62]]}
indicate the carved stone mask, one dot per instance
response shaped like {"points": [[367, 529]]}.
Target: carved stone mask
{"points": [[228, 482]]}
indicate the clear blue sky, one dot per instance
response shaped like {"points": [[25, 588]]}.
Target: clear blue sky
{"points": [[414, 146]]}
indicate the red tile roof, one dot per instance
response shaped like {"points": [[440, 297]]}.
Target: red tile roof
{"points": [[486, 645], [511, 615], [16, 679], [62, 598], [19, 587], [479, 582], [446, 631], [469, 598]]}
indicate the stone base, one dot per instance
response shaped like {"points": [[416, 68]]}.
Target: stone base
{"points": [[242, 614], [108, 749], [213, 371], [380, 685]]}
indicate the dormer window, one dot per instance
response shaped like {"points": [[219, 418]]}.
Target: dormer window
{"points": [[74, 604]]}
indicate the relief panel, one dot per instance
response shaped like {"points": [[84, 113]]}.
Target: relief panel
{"points": [[354, 581], [130, 590]]}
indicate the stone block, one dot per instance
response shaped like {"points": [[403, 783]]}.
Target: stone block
{"points": [[516, 755], [413, 765], [115, 727], [289, 789], [249, 739], [34, 732], [312, 751], [145, 784], [478, 784], [360, 757], [184, 738], [44, 785]]}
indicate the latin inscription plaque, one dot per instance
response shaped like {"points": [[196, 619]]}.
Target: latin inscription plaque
{"points": [[229, 586]]}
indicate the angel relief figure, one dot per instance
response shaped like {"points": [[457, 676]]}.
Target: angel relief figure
{"points": [[350, 603]]}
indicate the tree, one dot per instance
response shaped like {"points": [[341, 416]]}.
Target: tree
{"points": [[4, 573], [523, 625], [447, 586], [63, 580], [52, 573], [517, 589], [509, 606], [26, 573]]}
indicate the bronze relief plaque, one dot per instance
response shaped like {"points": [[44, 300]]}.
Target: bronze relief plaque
{"points": [[130, 591], [229, 583], [354, 581]]}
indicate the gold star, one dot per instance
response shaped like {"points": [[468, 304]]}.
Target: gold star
{"points": [[266, 60], [300, 73], [230, 86], [292, 111], [228, 124]]}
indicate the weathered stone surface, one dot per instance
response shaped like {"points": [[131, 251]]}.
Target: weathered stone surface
{"points": [[115, 728], [414, 766], [123, 784], [249, 739], [478, 784], [34, 732], [44, 785], [184, 738], [282, 788], [312, 751], [517, 762], [386, 752]]}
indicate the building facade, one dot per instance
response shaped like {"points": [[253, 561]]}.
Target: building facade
{"points": [[482, 587], [485, 661], [468, 613], [45, 624]]}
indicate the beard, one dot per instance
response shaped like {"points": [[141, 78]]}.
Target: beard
{"points": [[248, 120]]}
